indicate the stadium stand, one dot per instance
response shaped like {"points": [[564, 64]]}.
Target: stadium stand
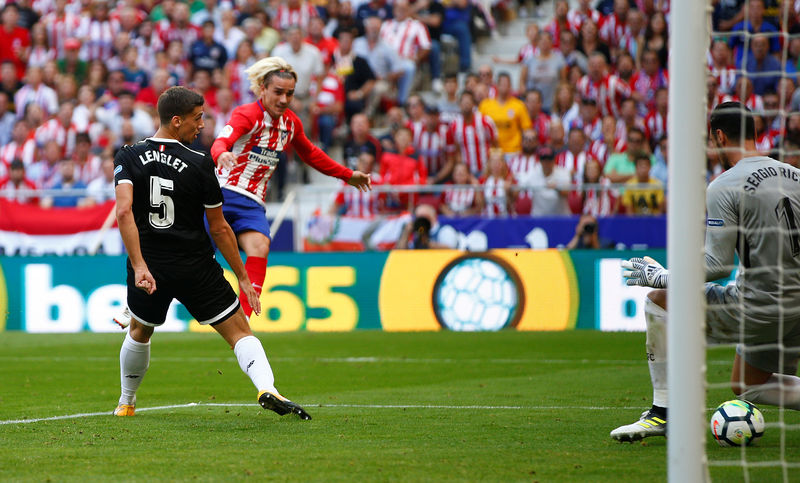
{"points": [[592, 76]]}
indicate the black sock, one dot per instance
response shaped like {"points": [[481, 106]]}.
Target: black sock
{"points": [[659, 411]]}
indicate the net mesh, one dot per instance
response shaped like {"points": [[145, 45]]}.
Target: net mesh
{"points": [[753, 59]]}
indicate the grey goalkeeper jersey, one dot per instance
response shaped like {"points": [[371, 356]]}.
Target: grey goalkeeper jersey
{"points": [[753, 211]]}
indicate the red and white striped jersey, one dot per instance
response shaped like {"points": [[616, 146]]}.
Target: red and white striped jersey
{"points": [[147, 49], [474, 139], [116, 13], [331, 90], [556, 28], [755, 102], [765, 142], [358, 203], [526, 52], [14, 192], [89, 169], [459, 200], [24, 152], [287, 17], [647, 85], [42, 95], [521, 164], [406, 38], [416, 128], [433, 147], [608, 92], [599, 149], [53, 130], [43, 174], [726, 78], [168, 32], [98, 38], [576, 17], [495, 195], [256, 139], [44, 7], [612, 28], [39, 56], [59, 29], [655, 126], [574, 163], [239, 83], [599, 202], [622, 130]]}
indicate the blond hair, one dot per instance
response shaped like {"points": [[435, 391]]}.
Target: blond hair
{"points": [[259, 72]]}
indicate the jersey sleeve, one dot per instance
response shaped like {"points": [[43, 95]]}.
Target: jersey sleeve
{"points": [[122, 171], [722, 230], [212, 193], [315, 157], [239, 124]]}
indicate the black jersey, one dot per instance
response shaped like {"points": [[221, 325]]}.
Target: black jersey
{"points": [[172, 187]]}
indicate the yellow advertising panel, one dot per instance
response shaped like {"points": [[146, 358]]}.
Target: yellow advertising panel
{"points": [[432, 289]]}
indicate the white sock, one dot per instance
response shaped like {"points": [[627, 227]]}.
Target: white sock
{"points": [[770, 392], [656, 318], [253, 361], [134, 359]]}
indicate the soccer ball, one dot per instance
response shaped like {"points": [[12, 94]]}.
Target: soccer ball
{"points": [[737, 423], [476, 293]]}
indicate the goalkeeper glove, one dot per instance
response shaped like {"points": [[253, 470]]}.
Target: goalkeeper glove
{"points": [[645, 272]]}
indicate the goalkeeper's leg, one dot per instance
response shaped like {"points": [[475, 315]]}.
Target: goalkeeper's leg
{"points": [[763, 387], [654, 421]]}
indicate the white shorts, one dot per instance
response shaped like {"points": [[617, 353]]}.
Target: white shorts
{"points": [[758, 342]]}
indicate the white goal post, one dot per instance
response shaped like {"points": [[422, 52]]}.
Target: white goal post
{"points": [[688, 40]]}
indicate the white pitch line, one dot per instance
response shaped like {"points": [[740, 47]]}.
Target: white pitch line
{"points": [[355, 360], [86, 415], [354, 406]]}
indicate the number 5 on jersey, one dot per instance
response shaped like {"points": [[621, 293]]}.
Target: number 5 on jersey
{"points": [[164, 216]]}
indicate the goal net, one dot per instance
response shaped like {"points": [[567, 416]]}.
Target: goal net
{"points": [[750, 53]]}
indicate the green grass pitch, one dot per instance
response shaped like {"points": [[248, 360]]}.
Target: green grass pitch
{"points": [[505, 406]]}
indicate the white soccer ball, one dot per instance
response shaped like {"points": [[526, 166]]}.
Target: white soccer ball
{"points": [[737, 423]]}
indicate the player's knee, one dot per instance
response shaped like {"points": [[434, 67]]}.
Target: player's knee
{"points": [[140, 332], [658, 297], [258, 247]]}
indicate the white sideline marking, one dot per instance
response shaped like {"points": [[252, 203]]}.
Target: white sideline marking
{"points": [[355, 360], [86, 415], [357, 406]]}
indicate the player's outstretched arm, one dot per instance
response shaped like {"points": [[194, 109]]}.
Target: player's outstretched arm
{"points": [[223, 236], [362, 181], [645, 272], [130, 237], [241, 122]]}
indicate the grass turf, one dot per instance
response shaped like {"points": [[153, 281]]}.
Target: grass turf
{"points": [[502, 406]]}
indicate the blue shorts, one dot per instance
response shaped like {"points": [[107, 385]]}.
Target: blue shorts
{"points": [[243, 213]]}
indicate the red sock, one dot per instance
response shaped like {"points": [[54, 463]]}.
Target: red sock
{"points": [[256, 268]]}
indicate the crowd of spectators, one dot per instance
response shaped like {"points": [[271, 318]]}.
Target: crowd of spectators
{"points": [[587, 113], [583, 130]]}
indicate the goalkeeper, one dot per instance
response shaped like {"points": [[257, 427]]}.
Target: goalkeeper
{"points": [[753, 211]]}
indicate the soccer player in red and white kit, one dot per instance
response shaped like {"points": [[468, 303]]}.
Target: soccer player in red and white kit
{"points": [[249, 147]]}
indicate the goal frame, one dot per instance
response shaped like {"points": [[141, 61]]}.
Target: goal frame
{"points": [[686, 364]]}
